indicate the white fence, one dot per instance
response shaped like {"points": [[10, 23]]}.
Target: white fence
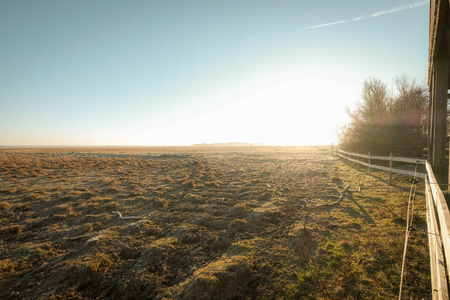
{"points": [[352, 157], [438, 217], [438, 223]]}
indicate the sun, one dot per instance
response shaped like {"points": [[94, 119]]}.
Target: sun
{"points": [[300, 111]]}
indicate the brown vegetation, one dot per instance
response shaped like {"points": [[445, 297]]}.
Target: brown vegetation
{"points": [[225, 222]]}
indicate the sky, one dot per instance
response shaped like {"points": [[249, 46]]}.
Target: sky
{"points": [[200, 71]]}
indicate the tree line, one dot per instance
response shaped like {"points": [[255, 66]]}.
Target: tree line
{"points": [[387, 120]]}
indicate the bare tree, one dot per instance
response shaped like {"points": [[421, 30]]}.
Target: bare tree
{"points": [[382, 123], [369, 120], [410, 112]]}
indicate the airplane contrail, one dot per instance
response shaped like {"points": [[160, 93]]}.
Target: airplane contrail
{"points": [[374, 15]]}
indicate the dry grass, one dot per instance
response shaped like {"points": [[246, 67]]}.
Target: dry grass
{"points": [[11, 230], [213, 222], [4, 205]]}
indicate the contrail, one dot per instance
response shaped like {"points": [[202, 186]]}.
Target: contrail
{"points": [[374, 15]]}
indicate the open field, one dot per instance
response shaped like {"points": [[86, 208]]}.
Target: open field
{"points": [[211, 222]]}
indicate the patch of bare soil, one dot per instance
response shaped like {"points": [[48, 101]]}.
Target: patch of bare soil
{"points": [[228, 223]]}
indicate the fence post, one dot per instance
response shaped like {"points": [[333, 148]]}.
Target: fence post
{"points": [[390, 168], [332, 150], [370, 162], [357, 164]]}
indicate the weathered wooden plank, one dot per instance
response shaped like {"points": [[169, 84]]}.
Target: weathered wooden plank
{"points": [[439, 285], [439, 121], [432, 29], [354, 160], [407, 160], [442, 213], [437, 11], [403, 172], [430, 140], [354, 154]]}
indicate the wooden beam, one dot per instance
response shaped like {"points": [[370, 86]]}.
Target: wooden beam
{"points": [[439, 121], [442, 214], [430, 144], [439, 21], [439, 285], [437, 27], [447, 38], [436, 24]]}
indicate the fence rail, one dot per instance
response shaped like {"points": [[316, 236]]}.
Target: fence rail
{"points": [[390, 169], [438, 218], [438, 223], [399, 159]]}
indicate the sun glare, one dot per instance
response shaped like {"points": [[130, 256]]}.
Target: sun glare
{"points": [[300, 111]]}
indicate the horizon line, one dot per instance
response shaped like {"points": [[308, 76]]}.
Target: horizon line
{"points": [[149, 146]]}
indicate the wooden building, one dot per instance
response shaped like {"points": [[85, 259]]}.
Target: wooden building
{"points": [[438, 82]]}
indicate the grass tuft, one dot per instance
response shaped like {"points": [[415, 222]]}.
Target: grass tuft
{"points": [[11, 230], [4, 205], [238, 225]]}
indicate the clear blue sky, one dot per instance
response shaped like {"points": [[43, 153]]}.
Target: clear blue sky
{"points": [[185, 72]]}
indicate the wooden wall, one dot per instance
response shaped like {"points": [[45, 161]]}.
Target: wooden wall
{"points": [[438, 81]]}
